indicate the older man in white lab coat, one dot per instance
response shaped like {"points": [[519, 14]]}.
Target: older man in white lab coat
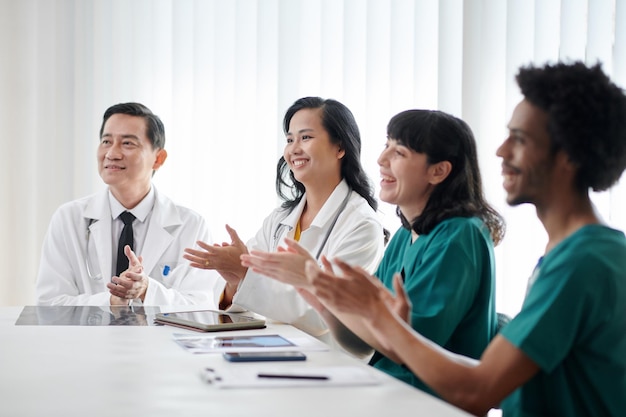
{"points": [[79, 253]]}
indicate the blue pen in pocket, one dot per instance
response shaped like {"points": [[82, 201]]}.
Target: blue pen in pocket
{"points": [[166, 270]]}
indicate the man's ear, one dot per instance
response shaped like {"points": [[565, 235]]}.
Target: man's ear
{"points": [[565, 166], [439, 172], [161, 156], [564, 160]]}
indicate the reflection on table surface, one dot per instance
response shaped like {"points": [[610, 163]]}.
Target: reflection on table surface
{"points": [[99, 370], [87, 316]]}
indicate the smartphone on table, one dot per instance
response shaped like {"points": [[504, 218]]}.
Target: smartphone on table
{"points": [[263, 356]]}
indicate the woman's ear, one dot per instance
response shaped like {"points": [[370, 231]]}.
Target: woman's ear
{"points": [[439, 172], [340, 153], [161, 156]]}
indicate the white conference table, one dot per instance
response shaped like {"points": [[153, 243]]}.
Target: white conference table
{"points": [[58, 370]]}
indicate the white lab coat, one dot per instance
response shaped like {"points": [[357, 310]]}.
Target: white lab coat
{"points": [[357, 238], [64, 278]]}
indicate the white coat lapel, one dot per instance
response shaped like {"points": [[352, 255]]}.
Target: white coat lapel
{"points": [[98, 212], [164, 220]]}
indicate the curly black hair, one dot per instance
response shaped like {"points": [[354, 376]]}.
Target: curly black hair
{"points": [[586, 118], [443, 137]]}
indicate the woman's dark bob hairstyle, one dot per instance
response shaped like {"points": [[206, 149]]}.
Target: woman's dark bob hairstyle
{"points": [[443, 137]]}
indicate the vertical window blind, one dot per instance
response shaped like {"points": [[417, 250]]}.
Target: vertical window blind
{"points": [[221, 74]]}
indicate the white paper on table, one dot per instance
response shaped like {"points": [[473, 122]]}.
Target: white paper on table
{"points": [[247, 377], [213, 343]]}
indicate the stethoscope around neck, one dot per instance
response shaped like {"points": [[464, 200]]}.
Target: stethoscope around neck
{"points": [[281, 226], [94, 274]]}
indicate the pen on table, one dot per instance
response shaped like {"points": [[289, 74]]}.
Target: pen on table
{"points": [[286, 376]]}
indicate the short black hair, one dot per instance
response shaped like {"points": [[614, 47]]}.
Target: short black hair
{"points": [[586, 118], [154, 125]]}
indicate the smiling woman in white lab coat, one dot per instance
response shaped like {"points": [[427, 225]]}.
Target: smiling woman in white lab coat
{"points": [[329, 207], [80, 248]]}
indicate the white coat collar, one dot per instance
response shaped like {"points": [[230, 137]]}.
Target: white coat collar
{"points": [[165, 219], [140, 211], [326, 214]]}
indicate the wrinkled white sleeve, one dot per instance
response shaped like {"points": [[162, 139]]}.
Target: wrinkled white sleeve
{"points": [[356, 239]]}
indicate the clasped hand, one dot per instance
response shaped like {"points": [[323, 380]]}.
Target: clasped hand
{"points": [[132, 283]]}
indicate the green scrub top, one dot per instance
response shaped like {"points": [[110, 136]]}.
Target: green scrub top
{"points": [[573, 326], [449, 276]]}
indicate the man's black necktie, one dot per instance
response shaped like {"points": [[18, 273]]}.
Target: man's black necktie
{"points": [[126, 238]]}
